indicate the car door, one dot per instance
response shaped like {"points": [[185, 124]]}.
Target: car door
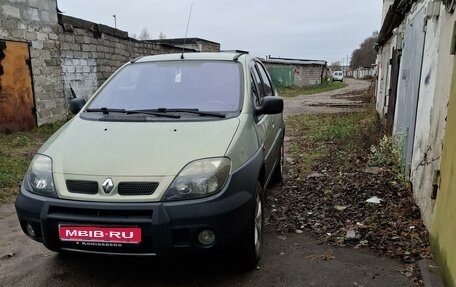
{"points": [[265, 124]]}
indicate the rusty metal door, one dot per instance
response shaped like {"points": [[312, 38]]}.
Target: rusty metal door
{"points": [[17, 106]]}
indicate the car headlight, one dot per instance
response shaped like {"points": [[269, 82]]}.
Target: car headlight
{"points": [[38, 178], [199, 178]]}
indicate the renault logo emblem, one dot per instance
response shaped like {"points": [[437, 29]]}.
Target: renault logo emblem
{"points": [[107, 185]]}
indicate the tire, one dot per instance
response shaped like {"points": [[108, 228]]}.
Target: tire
{"points": [[252, 239], [277, 175]]}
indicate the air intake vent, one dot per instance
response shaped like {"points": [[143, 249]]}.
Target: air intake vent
{"points": [[123, 118], [137, 188], [82, 186]]}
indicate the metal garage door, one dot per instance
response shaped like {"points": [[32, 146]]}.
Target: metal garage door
{"points": [[409, 82], [17, 107], [282, 76]]}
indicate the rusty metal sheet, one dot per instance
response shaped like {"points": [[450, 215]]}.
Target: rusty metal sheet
{"points": [[17, 107]]}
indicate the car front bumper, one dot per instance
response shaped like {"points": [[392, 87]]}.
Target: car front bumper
{"points": [[167, 228]]}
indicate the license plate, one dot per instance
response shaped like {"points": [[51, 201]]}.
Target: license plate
{"points": [[130, 235]]}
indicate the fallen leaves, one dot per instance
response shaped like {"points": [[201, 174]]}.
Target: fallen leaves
{"points": [[345, 202]]}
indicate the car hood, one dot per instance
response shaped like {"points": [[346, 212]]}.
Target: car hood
{"points": [[136, 149]]}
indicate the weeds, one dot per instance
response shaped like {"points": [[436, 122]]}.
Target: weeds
{"points": [[389, 153], [16, 151], [328, 180], [324, 135]]}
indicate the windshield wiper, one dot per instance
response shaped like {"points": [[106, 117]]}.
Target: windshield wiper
{"points": [[105, 110], [153, 113], [130, 112], [191, 111]]}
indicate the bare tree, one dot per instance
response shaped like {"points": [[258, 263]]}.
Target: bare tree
{"points": [[335, 66], [162, 36], [365, 55], [144, 34]]}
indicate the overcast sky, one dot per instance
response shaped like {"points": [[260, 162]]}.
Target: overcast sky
{"points": [[306, 29]]}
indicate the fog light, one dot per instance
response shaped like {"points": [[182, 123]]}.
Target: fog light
{"points": [[206, 237], [30, 230]]}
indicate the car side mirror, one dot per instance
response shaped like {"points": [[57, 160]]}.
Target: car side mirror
{"points": [[270, 106], [76, 104]]}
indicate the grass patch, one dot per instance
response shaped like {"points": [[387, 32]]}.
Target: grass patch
{"points": [[16, 151], [324, 87], [323, 136]]}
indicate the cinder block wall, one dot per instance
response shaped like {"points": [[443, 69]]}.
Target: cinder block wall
{"points": [[65, 50], [296, 75], [90, 53], [89, 57], [35, 22], [307, 75], [69, 51]]}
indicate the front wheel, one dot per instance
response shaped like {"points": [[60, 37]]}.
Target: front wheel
{"points": [[252, 239]]}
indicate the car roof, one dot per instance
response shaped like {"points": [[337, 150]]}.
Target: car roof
{"points": [[221, 56]]}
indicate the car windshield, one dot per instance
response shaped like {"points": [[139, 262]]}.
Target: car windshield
{"points": [[197, 85]]}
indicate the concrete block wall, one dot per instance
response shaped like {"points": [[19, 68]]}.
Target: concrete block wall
{"points": [[68, 51], [307, 75], [89, 60], [297, 75], [35, 22], [207, 46]]}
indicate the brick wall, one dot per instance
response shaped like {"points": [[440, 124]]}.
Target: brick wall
{"points": [[35, 22], [90, 53]]}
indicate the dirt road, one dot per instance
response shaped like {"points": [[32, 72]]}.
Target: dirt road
{"points": [[328, 102], [291, 260]]}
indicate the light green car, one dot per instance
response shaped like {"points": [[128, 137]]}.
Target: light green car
{"points": [[170, 156]]}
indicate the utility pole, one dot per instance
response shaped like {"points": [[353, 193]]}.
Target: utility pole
{"points": [[115, 21]]}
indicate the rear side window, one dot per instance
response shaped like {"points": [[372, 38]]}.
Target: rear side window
{"points": [[202, 85]]}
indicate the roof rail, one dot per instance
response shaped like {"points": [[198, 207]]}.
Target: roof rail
{"points": [[239, 53], [135, 59]]}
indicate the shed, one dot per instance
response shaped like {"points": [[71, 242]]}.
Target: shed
{"points": [[287, 72]]}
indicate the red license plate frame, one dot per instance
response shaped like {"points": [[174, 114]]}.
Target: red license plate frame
{"points": [[93, 233]]}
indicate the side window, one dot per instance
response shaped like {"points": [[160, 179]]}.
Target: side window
{"points": [[257, 87], [267, 86], [255, 93]]}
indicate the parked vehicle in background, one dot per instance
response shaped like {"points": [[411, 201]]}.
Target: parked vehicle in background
{"points": [[338, 76], [170, 156]]}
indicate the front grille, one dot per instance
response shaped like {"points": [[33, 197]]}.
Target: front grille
{"points": [[82, 186], [137, 188], [74, 212]]}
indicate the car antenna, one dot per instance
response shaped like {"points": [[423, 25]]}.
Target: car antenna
{"points": [[186, 31]]}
